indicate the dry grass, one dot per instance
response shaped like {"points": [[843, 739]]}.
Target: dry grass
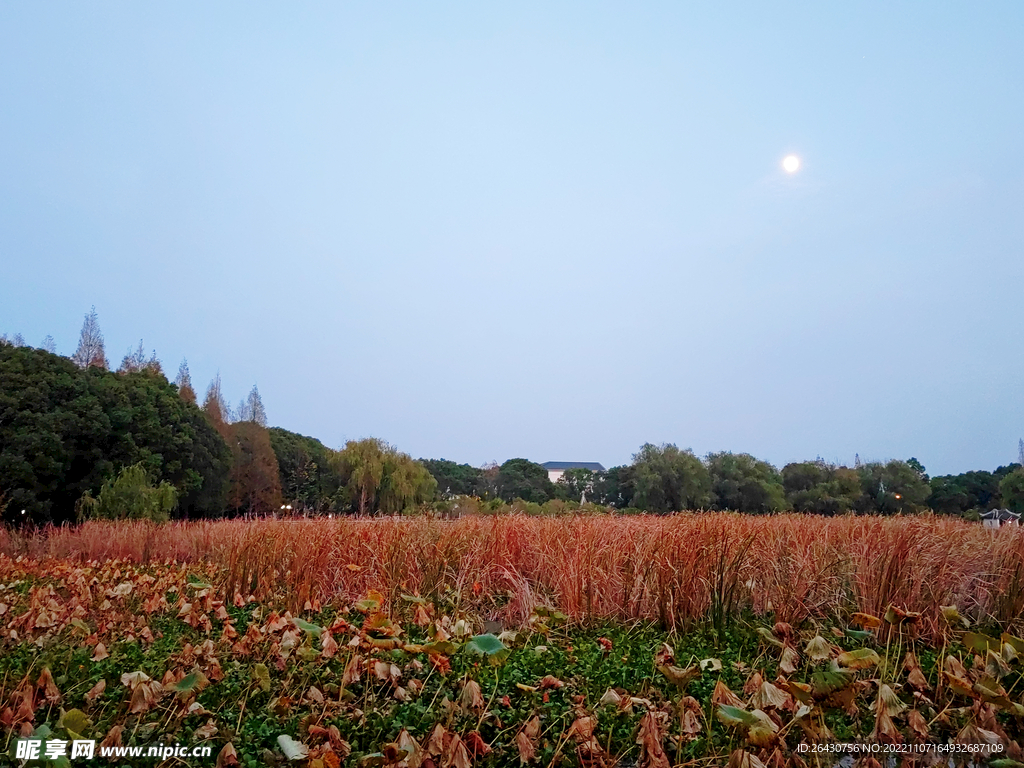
{"points": [[676, 569]]}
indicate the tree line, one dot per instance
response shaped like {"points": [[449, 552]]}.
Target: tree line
{"points": [[666, 478], [80, 440]]}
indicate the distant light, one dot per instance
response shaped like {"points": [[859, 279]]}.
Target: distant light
{"points": [[898, 496], [23, 511], [791, 164]]}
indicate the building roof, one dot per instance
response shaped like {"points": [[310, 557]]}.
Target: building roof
{"points": [[1002, 515], [593, 466]]}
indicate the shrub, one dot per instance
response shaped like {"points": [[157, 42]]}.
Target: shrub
{"points": [[130, 496]]}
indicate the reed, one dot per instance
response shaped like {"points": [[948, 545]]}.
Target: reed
{"points": [[676, 569]]}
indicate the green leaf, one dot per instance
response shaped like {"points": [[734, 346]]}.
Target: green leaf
{"points": [[859, 634], [305, 626], [490, 646], [980, 643], [827, 681], [261, 675], [862, 658], [75, 722], [415, 599], [195, 680], [734, 716], [768, 637]]}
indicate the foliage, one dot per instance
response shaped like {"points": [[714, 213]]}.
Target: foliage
{"points": [[90, 352], [308, 472], [130, 496], [891, 487], [667, 479], [742, 483], [255, 483], [576, 484], [524, 479], [251, 409], [140, 655], [66, 430], [379, 478], [1011, 488], [825, 489], [456, 479]]}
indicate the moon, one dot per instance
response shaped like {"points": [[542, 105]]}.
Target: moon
{"points": [[791, 164]]}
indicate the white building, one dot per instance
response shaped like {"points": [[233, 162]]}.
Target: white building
{"points": [[997, 518], [558, 468]]}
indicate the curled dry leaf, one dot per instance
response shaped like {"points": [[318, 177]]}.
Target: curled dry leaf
{"points": [[769, 696], [650, 740], [740, 758], [818, 649], [723, 695], [96, 691], [472, 697], [227, 756]]}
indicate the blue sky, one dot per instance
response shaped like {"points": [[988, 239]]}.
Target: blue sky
{"points": [[555, 231]]}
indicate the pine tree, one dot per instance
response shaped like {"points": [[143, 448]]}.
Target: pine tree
{"points": [[90, 352], [184, 383]]}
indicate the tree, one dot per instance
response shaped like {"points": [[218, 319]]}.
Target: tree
{"points": [[136, 361], [742, 483], [666, 479], [130, 496], [1011, 488], [959, 494], [90, 352], [49, 345], [524, 479], [251, 409], [255, 482], [307, 469], [821, 488], [891, 488], [456, 479], [216, 408], [614, 487], [67, 430], [918, 467], [577, 485], [378, 477], [183, 381]]}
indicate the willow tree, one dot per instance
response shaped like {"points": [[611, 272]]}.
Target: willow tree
{"points": [[378, 477]]}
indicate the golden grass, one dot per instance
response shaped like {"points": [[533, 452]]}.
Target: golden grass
{"points": [[676, 569]]}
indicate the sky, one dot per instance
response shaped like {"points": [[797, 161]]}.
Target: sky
{"points": [[545, 230]]}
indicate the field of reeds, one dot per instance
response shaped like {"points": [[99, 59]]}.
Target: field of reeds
{"points": [[589, 641], [676, 570]]}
